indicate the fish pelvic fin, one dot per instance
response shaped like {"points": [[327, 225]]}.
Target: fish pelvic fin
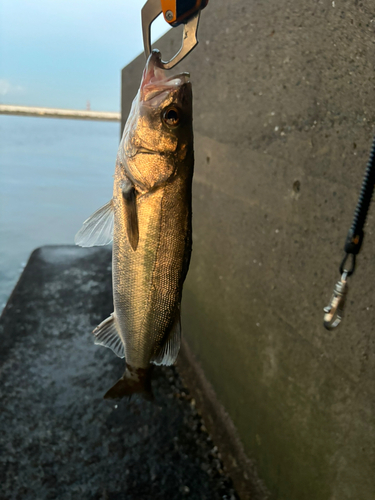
{"points": [[134, 381]]}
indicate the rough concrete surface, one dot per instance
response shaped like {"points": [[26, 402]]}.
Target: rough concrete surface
{"points": [[241, 469], [284, 113], [58, 438]]}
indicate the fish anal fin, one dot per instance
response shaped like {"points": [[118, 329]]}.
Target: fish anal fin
{"points": [[130, 206], [168, 353], [97, 230], [107, 335]]}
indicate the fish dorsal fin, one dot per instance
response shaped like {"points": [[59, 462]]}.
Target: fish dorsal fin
{"points": [[131, 217], [97, 230], [106, 334], [169, 352]]}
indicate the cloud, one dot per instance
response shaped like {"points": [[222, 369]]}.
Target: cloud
{"points": [[6, 88]]}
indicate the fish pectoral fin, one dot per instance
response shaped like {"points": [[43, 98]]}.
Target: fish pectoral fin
{"points": [[97, 230], [131, 217], [107, 334], [169, 352]]}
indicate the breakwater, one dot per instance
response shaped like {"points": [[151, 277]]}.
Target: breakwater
{"points": [[76, 114]]}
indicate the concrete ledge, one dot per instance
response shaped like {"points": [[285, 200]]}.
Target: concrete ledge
{"points": [[58, 437]]}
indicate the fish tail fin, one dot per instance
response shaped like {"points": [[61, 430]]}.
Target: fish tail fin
{"points": [[134, 381]]}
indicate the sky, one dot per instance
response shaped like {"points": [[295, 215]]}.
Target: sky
{"points": [[63, 53]]}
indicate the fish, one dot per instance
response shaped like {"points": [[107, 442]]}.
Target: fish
{"points": [[149, 220]]}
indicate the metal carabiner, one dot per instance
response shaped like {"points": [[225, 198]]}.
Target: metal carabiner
{"points": [[334, 312], [151, 11]]}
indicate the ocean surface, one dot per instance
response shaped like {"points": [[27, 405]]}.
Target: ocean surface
{"points": [[54, 174]]}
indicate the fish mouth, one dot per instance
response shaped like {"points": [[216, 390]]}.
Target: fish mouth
{"points": [[155, 76]]}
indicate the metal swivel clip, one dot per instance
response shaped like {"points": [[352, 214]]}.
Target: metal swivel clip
{"points": [[334, 312], [175, 12]]}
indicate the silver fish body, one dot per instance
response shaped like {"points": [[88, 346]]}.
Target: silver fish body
{"points": [[152, 235]]}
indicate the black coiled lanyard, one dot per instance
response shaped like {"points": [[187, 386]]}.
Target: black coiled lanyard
{"points": [[335, 310]]}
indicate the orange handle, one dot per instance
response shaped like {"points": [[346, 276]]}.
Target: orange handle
{"points": [[176, 12]]}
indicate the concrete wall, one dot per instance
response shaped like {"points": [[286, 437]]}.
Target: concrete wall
{"points": [[284, 116]]}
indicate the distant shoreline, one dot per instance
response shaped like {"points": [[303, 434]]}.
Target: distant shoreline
{"points": [[75, 114]]}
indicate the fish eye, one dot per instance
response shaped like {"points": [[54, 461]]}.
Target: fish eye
{"points": [[171, 116]]}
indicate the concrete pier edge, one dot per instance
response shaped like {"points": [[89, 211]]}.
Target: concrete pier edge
{"points": [[219, 425]]}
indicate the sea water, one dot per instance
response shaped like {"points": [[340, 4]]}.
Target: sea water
{"points": [[53, 174]]}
